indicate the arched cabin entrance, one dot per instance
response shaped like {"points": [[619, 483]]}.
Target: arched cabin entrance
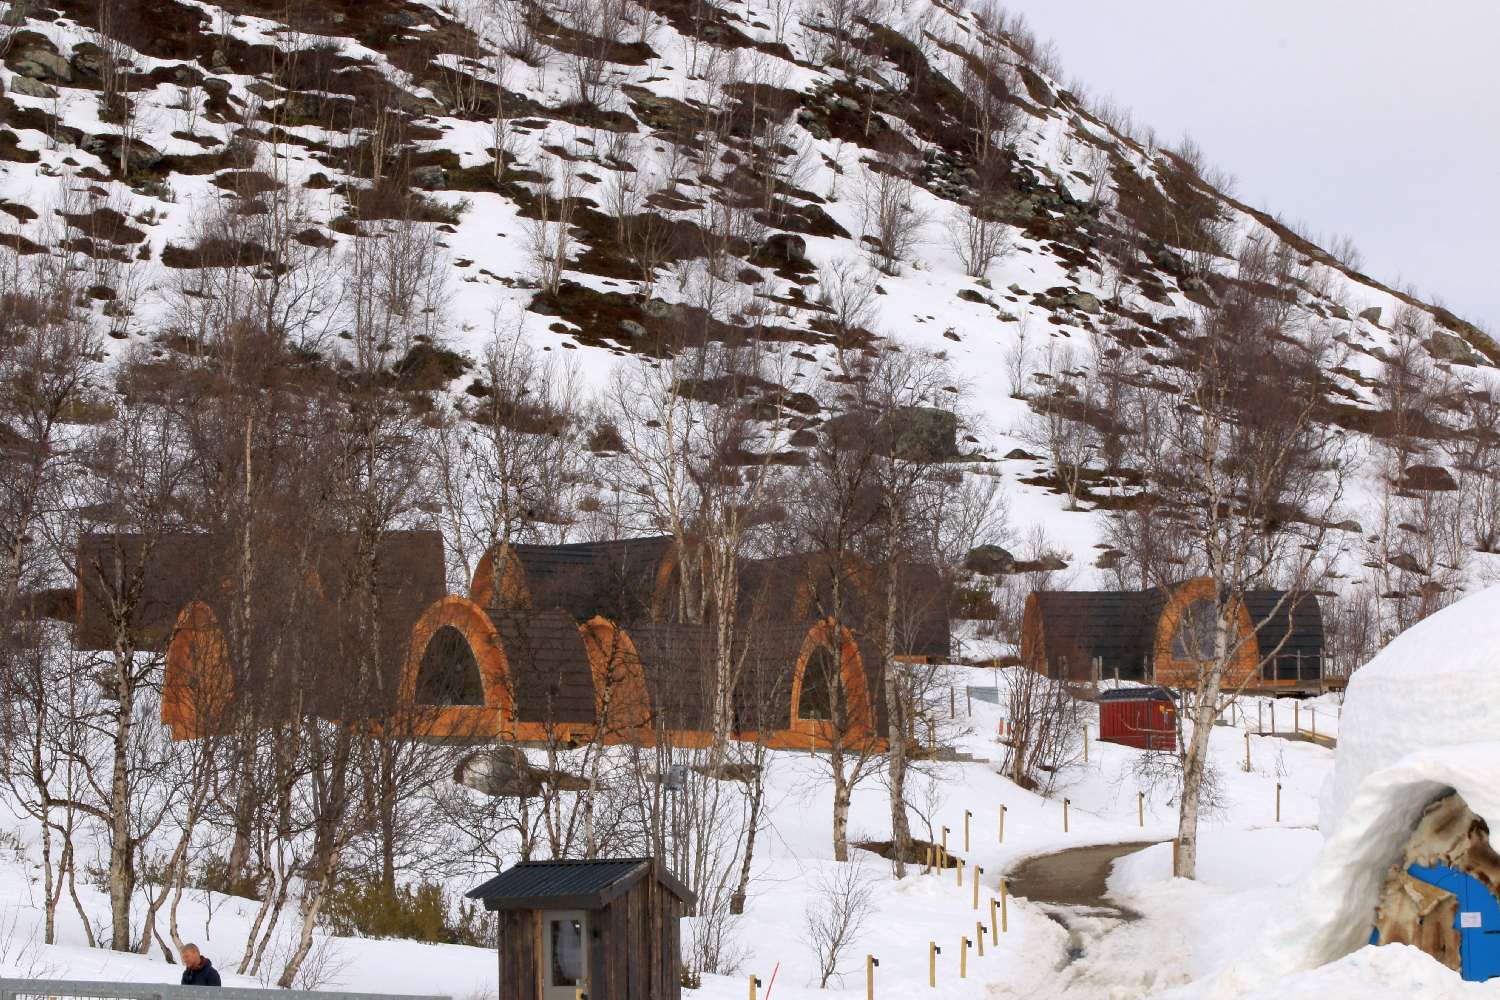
{"points": [[456, 680], [825, 681]]}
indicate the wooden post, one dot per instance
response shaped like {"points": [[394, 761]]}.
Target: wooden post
{"points": [[1314, 710], [1247, 752], [1278, 802], [870, 963], [1140, 808], [960, 870], [1260, 717], [979, 936], [952, 703], [1004, 915], [967, 816], [928, 870], [753, 984], [942, 859], [978, 871], [1273, 716], [1085, 742], [1296, 717], [969, 696], [963, 958], [945, 840], [1066, 803], [932, 953], [995, 920], [1002, 824]]}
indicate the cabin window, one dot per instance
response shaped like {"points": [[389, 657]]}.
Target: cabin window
{"points": [[820, 680], [1194, 641], [449, 673]]}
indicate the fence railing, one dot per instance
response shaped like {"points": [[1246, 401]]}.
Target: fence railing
{"points": [[26, 989]]}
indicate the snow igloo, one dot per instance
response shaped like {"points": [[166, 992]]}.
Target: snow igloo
{"points": [[1407, 812]]}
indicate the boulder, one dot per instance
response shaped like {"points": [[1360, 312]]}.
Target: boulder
{"points": [[88, 59], [989, 560], [1038, 88], [29, 87], [1408, 562], [1427, 479], [1083, 302], [430, 178], [138, 155], [1447, 347], [40, 61], [785, 248], [632, 329], [921, 433], [1372, 314]]}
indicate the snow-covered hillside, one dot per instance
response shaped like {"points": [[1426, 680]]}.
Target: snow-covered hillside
{"points": [[724, 157]]}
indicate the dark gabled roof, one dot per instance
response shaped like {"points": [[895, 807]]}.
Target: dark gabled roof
{"points": [[678, 664], [178, 567], [549, 666], [1116, 627], [1296, 625], [172, 568], [615, 579], [582, 885]]}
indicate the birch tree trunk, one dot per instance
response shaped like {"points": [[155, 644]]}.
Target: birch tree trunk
{"points": [[121, 861], [895, 710]]}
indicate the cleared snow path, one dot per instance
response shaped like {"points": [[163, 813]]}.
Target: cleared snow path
{"points": [[1103, 958]]}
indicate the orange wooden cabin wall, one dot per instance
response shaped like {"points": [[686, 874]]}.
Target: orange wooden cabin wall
{"points": [[1182, 673]]}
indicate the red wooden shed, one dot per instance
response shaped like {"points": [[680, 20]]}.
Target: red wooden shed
{"points": [[1143, 717]]}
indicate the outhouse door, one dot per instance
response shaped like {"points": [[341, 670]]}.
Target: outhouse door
{"points": [[1478, 919], [565, 959]]}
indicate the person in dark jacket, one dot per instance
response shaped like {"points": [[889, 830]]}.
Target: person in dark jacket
{"points": [[197, 970]]}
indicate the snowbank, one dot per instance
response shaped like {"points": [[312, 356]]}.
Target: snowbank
{"points": [[1418, 721], [1437, 684]]}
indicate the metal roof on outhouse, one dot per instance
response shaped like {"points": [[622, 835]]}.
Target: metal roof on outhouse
{"points": [[565, 885]]}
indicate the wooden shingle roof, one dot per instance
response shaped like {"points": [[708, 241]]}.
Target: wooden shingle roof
{"points": [[549, 666], [1079, 626], [615, 579]]}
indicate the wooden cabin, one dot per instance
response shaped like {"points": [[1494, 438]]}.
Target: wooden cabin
{"points": [[175, 593], [1140, 717], [532, 656], [606, 929], [634, 582], [1161, 634]]}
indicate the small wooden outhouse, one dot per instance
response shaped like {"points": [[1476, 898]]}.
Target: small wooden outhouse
{"points": [[1143, 717], [600, 930]]}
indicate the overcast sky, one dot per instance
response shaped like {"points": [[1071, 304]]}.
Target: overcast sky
{"points": [[1379, 119]]}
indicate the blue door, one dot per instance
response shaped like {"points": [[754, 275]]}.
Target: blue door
{"points": [[1478, 919]]}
